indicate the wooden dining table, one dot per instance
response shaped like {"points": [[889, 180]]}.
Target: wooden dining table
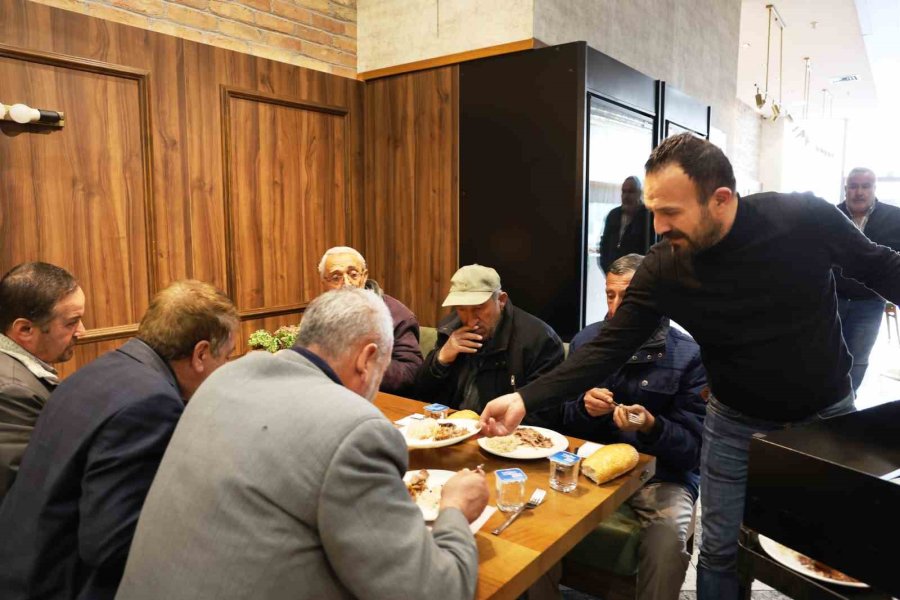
{"points": [[510, 563]]}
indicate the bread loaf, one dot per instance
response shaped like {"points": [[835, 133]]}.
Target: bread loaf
{"points": [[465, 414], [609, 462]]}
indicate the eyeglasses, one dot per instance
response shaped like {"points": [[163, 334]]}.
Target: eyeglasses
{"points": [[337, 277]]}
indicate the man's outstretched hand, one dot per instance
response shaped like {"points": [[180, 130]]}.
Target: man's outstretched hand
{"points": [[502, 415]]}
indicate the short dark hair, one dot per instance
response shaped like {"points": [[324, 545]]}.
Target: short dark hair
{"points": [[31, 291], [626, 264], [703, 162]]}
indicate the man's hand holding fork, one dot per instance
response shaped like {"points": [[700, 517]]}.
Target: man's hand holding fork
{"points": [[633, 417]]}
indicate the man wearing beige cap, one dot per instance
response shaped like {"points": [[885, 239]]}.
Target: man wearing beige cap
{"points": [[486, 346]]}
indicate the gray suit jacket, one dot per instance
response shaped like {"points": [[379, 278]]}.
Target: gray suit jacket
{"points": [[22, 398], [280, 483]]}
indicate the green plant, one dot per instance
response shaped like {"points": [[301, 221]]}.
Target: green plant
{"points": [[283, 337]]}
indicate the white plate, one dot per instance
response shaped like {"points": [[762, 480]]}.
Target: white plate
{"points": [[790, 559], [429, 500], [471, 425], [560, 442]]}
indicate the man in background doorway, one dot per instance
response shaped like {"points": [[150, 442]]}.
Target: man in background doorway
{"points": [[627, 229], [860, 308]]}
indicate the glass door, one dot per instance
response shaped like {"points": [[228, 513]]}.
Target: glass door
{"points": [[673, 128], [619, 143]]}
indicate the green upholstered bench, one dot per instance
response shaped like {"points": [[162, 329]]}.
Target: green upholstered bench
{"points": [[427, 339], [605, 563], [613, 545]]}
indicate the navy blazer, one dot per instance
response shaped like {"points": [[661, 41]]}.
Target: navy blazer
{"points": [[666, 376], [67, 522]]}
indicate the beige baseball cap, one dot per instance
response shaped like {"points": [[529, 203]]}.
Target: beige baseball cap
{"points": [[472, 285]]}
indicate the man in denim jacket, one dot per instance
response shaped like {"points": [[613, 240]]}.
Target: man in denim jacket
{"points": [[663, 384]]}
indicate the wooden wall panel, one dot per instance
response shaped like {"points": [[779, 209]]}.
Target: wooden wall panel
{"points": [[286, 196], [412, 190], [70, 197], [129, 214]]}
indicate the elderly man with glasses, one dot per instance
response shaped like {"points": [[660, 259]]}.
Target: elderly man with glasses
{"points": [[343, 266]]}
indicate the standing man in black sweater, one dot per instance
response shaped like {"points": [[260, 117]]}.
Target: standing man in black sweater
{"points": [[860, 308], [750, 279]]}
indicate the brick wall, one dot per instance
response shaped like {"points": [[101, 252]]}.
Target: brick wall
{"points": [[318, 34]]}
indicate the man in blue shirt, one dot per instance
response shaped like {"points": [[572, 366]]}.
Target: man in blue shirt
{"points": [[663, 384]]}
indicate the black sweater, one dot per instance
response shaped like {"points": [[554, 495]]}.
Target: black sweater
{"points": [[761, 303]]}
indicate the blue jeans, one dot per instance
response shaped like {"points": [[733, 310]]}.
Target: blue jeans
{"points": [[723, 473], [860, 322]]}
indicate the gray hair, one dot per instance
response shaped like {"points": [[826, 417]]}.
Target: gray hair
{"points": [[861, 171], [627, 264], [339, 320], [340, 250]]}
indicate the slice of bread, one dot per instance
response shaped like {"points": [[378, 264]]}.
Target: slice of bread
{"points": [[465, 414]]}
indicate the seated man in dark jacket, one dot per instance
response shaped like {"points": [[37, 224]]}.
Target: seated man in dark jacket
{"points": [[486, 347], [67, 523], [663, 383]]}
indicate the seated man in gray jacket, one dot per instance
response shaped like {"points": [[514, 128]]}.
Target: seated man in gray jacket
{"points": [[41, 306], [283, 481]]}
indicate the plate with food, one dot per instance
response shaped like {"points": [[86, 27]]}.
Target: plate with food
{"points": [[526, 442], [424, 487], [806, 565], [435, 433]]}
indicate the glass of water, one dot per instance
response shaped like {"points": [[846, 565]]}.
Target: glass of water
{"points": [[564, 467], [510, 489]]}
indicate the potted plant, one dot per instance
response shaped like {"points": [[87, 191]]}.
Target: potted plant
{"points": [[283, 338]]}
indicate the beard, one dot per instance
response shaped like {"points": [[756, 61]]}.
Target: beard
{"points": [[67, 354], [708, 234]]}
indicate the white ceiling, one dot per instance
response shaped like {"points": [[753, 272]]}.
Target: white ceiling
{"points": [[880, 25], [845, 40]]}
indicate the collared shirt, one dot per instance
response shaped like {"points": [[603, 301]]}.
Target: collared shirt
{"points": [[38, 368], [319, 362], [860, 222]]}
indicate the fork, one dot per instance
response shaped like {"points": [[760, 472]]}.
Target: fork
{"points": [[635, 418], [536, 498]]}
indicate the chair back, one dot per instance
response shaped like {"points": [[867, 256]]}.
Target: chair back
{"points": [[427, 339]]}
